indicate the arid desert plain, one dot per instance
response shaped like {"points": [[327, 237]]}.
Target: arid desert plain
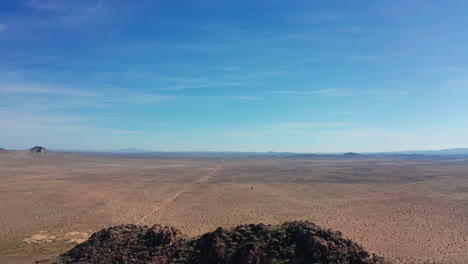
{"points": [[408, 210]]}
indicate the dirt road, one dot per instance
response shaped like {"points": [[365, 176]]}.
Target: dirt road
{"points": [[201, 180]]}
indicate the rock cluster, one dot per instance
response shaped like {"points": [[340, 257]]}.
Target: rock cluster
{"points": [[38, 150], [291, 242]]}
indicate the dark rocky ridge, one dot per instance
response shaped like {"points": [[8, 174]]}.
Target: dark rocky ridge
{"points": [[38, 150], [2, 150], [291, 242]]}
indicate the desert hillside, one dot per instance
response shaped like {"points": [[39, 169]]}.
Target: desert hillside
{"points": [[292, 242]]}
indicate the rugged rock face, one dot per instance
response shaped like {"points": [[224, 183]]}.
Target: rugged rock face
{"points": [[38, 150], [291, 242], [2, 150], [159, 235]]}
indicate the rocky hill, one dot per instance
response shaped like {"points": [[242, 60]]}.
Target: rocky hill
{"points": [[2, 150], [38, 150], [291, 242]]}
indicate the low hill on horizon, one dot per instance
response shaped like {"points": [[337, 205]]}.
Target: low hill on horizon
{"points": [[36, 153], [38, 150]]}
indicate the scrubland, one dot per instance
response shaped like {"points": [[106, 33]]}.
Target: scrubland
{"points": [[406, 210]]}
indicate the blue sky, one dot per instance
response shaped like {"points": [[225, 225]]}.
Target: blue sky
{"points": [[209, 75]]}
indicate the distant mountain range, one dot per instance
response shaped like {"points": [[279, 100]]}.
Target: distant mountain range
{"points": [[453, 151], [414, 153]]}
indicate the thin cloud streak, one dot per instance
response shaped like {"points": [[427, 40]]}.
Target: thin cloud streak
{"points": [[318, 92], [365, 58], [33, 122], [241, 98], [454, 69], [43, 91], [369, 95], [312, 125], [38, 88]]}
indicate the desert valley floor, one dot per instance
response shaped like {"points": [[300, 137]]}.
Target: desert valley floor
{"points": [[406, 210]]}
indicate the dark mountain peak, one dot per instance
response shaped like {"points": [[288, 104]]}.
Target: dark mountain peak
{"points": [[2, 150], [38, 149], [291, 242]]}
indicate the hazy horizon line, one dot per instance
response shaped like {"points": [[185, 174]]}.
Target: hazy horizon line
{"points": [[136, 151]]}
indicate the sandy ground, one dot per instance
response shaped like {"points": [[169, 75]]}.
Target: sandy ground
{"points": [[409, 211]]}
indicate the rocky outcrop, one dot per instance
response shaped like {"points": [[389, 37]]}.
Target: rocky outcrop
{"points": [[38, 150], [159, 235], [292, 242], [2, 150]]}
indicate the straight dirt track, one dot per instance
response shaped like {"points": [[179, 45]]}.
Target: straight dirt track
{"points": [[183, 190]]}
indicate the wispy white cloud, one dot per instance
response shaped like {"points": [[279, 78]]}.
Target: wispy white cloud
{"points": [[66, 96], [454, 69], [241, 98], [187, 83], [40, 88], [133, 98], [317, 92], [315, 17], [374, 133], [119, 131], [447, 129], [49, 5], [192, 83], [243, 133], [365, 58], [360, 95], [382, 95], [145, 48], [152, 123], [94, 8], [66, 13], [30, 122], [342, 113], [59, 6], [458, 82], [312, 125], [231, 68]]}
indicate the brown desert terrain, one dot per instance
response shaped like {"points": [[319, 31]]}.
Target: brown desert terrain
{"points": [[406, 210]]}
